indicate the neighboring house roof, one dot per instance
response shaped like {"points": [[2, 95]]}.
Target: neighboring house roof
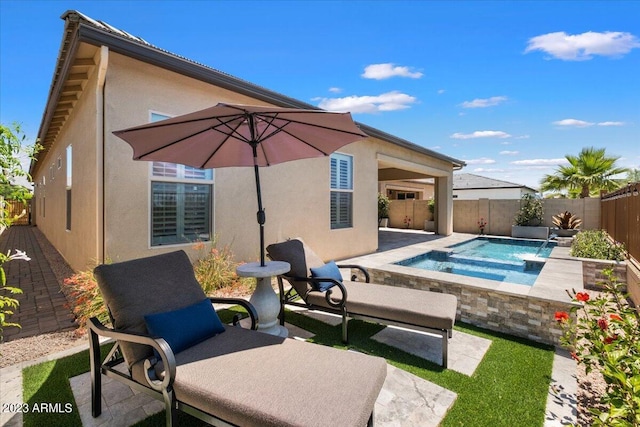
{"points": [[469, 181], [81, 28]]}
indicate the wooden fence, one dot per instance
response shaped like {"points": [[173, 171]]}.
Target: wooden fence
{"points": [[14, 208], [620, 217]]}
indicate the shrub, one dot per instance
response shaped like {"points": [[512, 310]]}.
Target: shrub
{"points": [[86, 298], [216, 269], [605, 336], [383, 206], [566, 221], [531, 211], [597, 245]]}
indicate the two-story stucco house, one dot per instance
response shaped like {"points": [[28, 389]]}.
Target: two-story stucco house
{"points": [[93, 202]]}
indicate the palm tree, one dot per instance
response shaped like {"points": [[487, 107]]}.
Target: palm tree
{"points": [[587, 173], [633, 175]]}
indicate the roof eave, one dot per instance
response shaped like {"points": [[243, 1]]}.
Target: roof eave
{"points": [[77, 31]]}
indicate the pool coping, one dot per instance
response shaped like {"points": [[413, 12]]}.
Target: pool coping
{"points": [[560, 273], [518, 310]]}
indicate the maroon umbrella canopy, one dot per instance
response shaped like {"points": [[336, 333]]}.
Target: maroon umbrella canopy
{"points": [[242, 135]]}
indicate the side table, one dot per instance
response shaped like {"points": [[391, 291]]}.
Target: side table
{"points": [[264, 298]]}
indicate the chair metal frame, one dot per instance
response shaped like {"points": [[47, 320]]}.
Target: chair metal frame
{"points": [[158, 388], [291, 297]]}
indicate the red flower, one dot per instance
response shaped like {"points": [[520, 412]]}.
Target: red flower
{"points": [[603, 324], [615, 317], [561, 316], [610, 339], [582, 296]]}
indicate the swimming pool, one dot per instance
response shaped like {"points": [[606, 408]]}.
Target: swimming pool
{"points": [[504, 260]]}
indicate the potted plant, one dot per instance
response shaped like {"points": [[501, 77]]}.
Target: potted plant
{"points": [[529, 218], [383, 210], [567, 224], [429, 223]]}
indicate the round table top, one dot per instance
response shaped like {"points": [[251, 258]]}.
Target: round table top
{"points": [[271, 268]]}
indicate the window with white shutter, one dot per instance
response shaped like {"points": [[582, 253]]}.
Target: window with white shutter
{"points": [[181, 202], [341, 191]]}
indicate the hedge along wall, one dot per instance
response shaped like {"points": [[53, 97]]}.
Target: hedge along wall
{"points": [[499, 214]]}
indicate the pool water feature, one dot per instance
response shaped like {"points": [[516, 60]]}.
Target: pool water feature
{"points": [[504, 260]]}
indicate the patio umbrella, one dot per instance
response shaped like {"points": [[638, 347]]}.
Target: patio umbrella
{"points": [[242, 135]]}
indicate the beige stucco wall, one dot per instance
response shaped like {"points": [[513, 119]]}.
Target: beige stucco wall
{"points": [[489, 193], [296, 195], [499, 214], [78, 245], [423, 191]]}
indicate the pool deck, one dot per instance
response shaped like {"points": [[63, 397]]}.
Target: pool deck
{"points": [[559, 273]]}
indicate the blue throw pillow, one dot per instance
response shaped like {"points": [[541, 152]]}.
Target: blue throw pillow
{"points": [[186, 326], [329, 271]]}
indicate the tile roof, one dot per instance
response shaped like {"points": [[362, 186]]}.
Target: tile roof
{"points": [[469, 181]]}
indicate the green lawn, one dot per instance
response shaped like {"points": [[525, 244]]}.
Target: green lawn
{"points": [[509, 388]]}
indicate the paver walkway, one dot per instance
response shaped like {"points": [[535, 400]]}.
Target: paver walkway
{"points": [[42, 305]]}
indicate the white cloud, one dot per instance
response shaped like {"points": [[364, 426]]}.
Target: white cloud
{"points": [[335, 90], [389, 101], [481, 134], [509, 153], [540, 162], [573, 123], [441, 91], [483, 103], [611, 124], [581, 47], [480, 161], [488, 170], [523, 137], [385, 71]]}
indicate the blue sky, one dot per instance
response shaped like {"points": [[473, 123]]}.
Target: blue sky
{"points": [[509, 87]]}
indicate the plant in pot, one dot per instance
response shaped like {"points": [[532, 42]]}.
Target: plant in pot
{"points": [[383, 210], [529, 218], [567, 224], [429, 223]]}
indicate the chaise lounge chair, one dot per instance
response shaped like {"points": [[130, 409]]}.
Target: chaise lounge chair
{"points": [[319, 286], [224, 375]]}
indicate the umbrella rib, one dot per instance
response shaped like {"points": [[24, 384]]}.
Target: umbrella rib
{"points": [[233, 131], [282, 129]]}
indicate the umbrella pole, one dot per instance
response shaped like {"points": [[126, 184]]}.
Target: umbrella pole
{"points": [[260, 215]]}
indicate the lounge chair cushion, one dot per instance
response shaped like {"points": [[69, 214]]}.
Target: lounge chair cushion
{"points": [[331, 271], [301, 258], [186, 326], [133, 289], [255, 379], [412, 306]]}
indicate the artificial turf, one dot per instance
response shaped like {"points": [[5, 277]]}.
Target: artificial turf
{"points": [[509, 387]]}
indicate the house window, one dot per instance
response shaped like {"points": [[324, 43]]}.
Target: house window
{"points": [[68, 186], [341, 191], [181, 202]]}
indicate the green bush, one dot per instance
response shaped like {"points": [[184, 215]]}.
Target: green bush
{"points": [[383, 206], [531, 211], [597, 245], [606, 338]]}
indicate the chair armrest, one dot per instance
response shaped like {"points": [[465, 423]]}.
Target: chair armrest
{"points": [[245, 304], [364, 271], [327, 294], [158, 344]]}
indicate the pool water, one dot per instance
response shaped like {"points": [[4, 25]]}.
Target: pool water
{"points": [[504, 260]]}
